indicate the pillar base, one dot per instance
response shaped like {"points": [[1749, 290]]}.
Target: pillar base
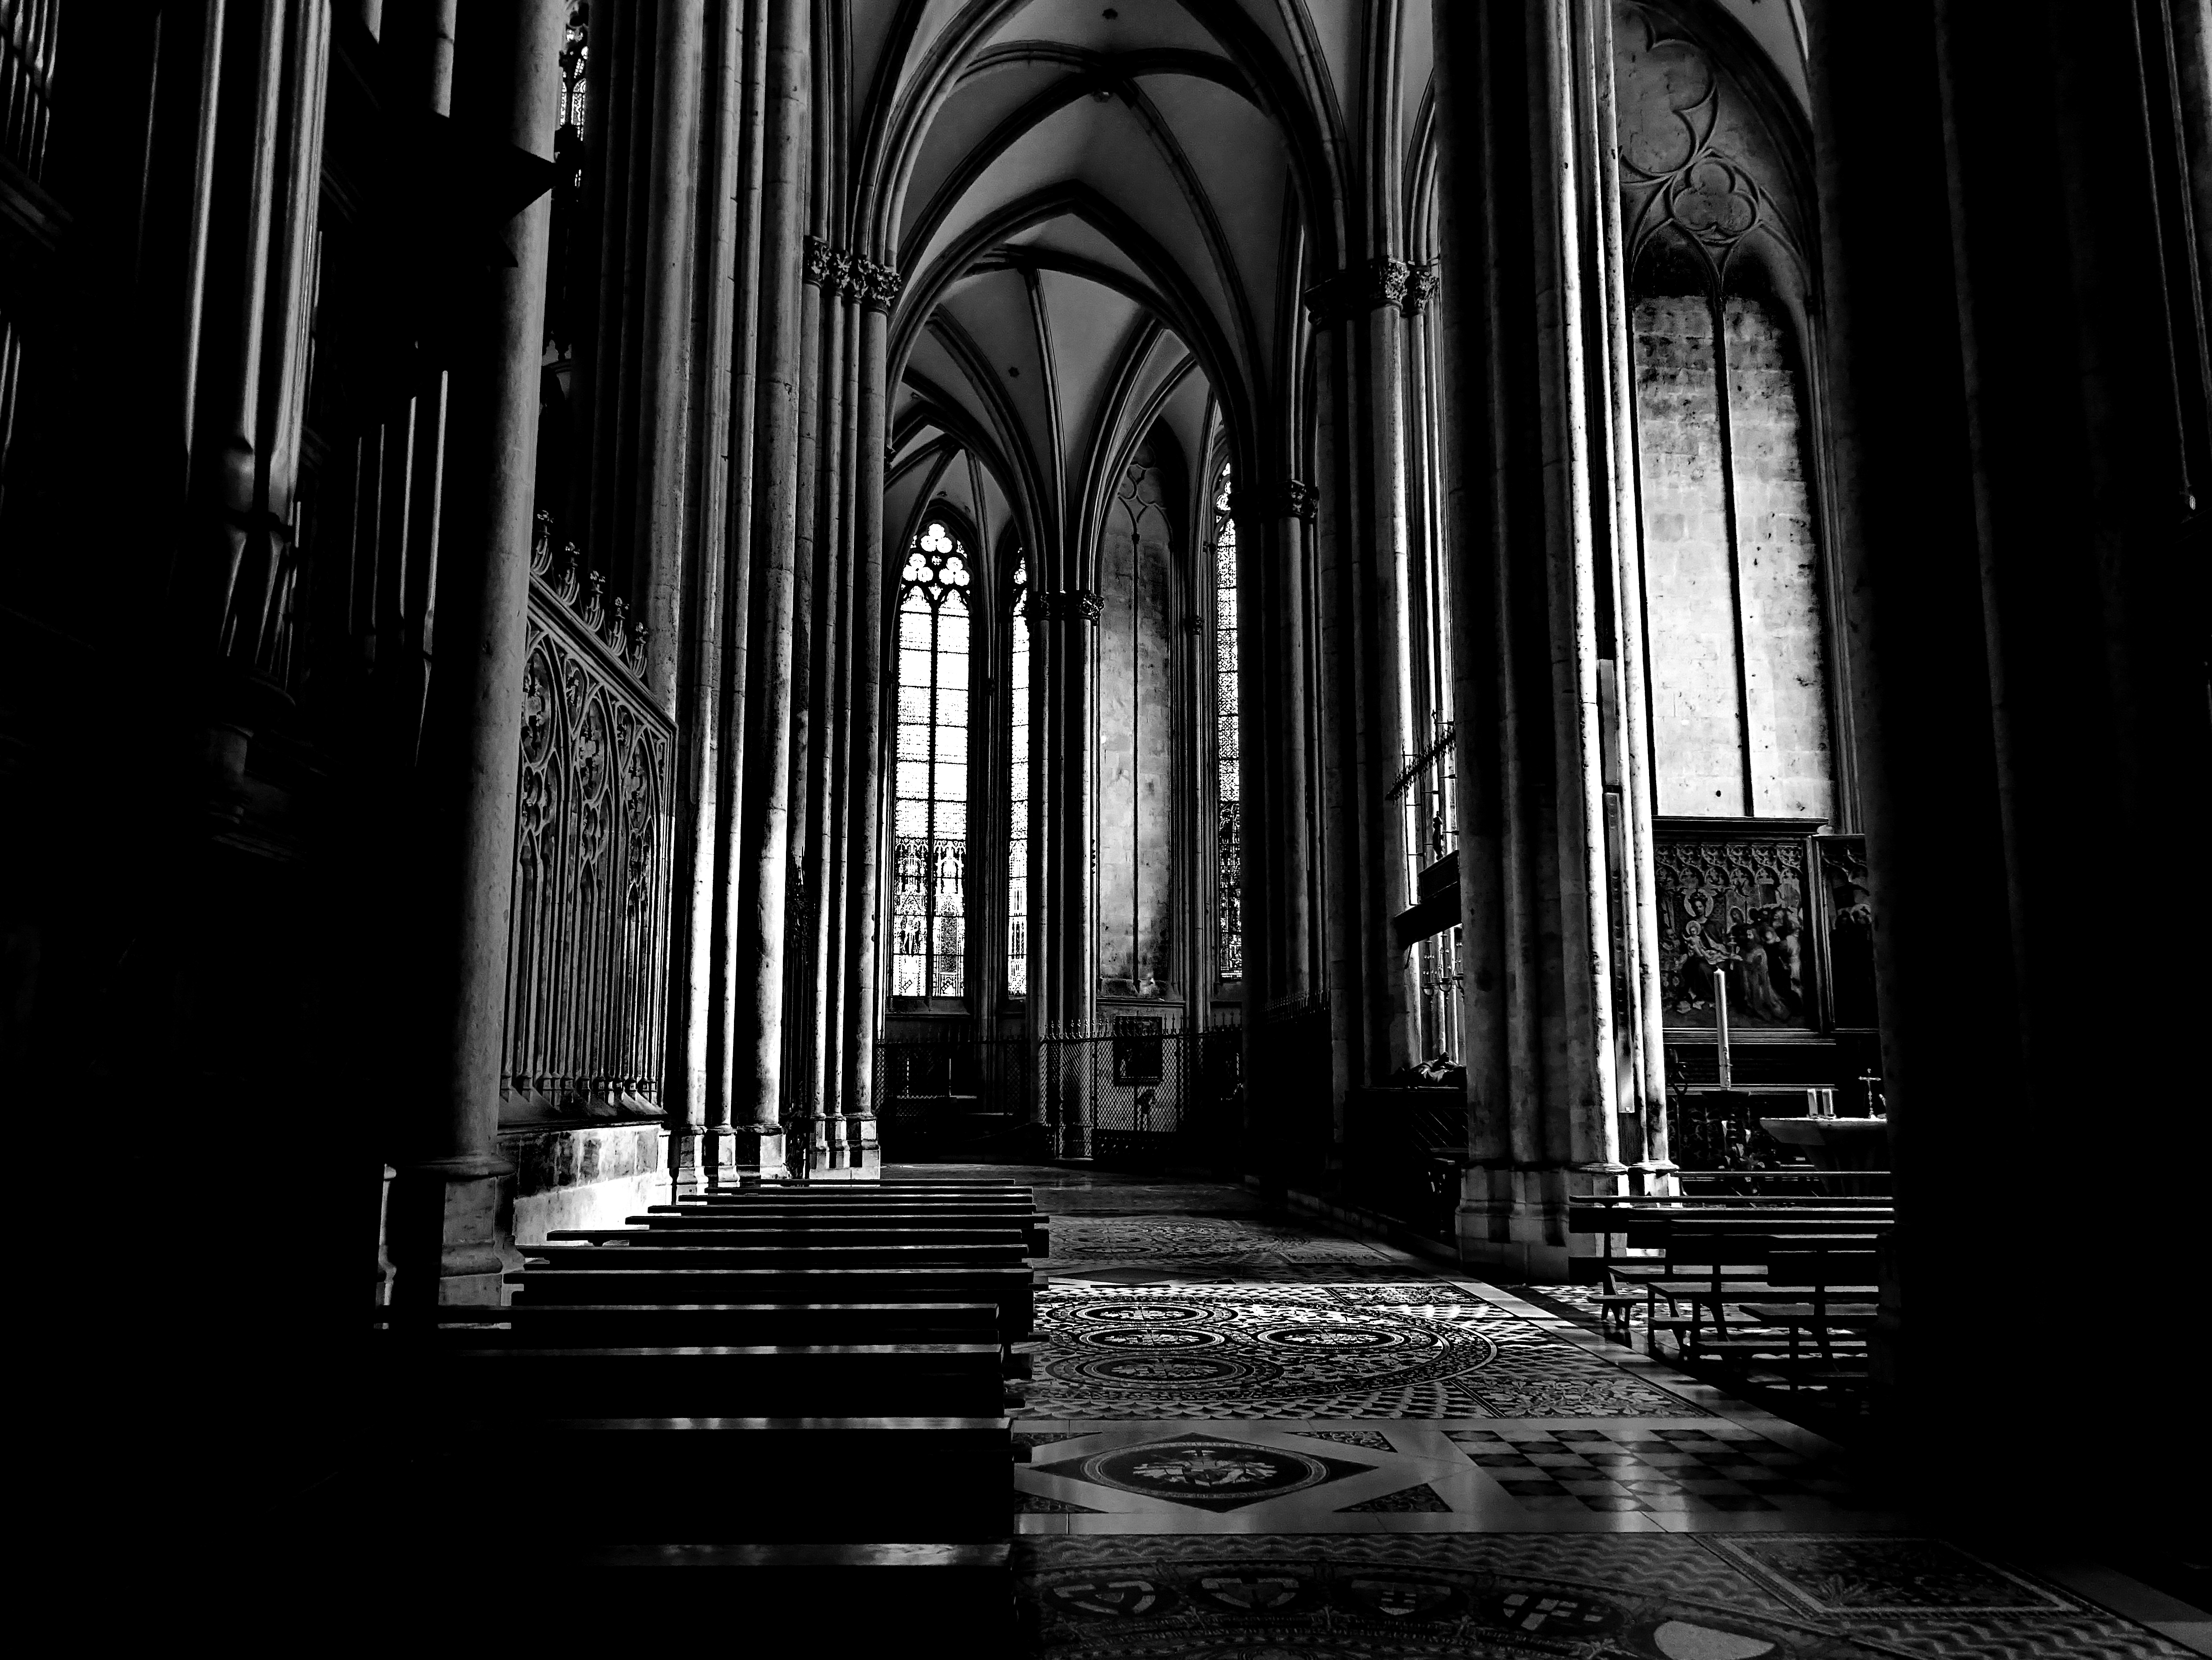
{"points": [[448, 1233], [687, 1161], [855, 1155], [737, 1153], [1513, 1218]]}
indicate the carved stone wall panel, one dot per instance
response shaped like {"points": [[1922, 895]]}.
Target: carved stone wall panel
{"points": [[587, 955]]}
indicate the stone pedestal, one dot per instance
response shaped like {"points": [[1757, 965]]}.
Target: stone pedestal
{"points": [[687, 1161], [736, 1152], [444, 1233], [856, 1155], [1512, 1217], [853, 1153]]}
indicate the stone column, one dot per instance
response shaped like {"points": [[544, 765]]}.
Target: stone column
{"points": [[1293, 748], [723, 991], [761, 875], [843, 486], [1075, 658], [1522, 539], [668, 291], [699, 663], [1387, 581], [446, 1223], [828, 270], [2022, 536], [1644, 1020], [864, 833], [1564, 381], [248, 353], [1336, 658]]}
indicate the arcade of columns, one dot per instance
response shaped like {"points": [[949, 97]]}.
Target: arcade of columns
{"points": [[765, 340]]}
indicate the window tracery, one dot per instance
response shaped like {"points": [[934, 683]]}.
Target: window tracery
{"points": [[929, 844], [1018, 792], [1228, 822]]}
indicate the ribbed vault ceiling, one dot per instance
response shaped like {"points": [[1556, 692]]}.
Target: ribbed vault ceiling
{"points": [[1105, 213]]}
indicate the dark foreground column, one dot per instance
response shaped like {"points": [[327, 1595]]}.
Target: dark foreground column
{"points": [[445, 1202]]}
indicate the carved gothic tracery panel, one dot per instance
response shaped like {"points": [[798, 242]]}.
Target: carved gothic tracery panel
{"points": [[588, 931]]}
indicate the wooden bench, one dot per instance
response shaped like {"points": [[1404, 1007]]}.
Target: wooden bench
{"points": [[755, 1380], [628, 1325], [576, 1484], [1823, 1285], [590, 1276], [1034, 1229], [706, 1235]]}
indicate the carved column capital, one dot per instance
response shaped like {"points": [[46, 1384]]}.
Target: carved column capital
{"points": [[1370, 286], [1073, 606], [881, 284], [1422, 282], [1291, 499], [829, 269]]}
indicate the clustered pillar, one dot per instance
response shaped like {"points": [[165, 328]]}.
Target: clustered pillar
{"points": [[1566, 1070]]}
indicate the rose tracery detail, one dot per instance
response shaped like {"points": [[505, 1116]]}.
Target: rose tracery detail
{"points": [[1690, 156]]}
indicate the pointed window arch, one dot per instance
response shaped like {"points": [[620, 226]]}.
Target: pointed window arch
{"points": [[929, 832], [1228, 780], [1017, 791]]}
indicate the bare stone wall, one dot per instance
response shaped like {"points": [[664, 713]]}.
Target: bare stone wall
{"points": [[1697, 729], [1706, 702], [1786, 668]]}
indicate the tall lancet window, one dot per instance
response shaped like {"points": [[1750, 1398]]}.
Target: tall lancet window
{"points": [[1017, 790], [1228, 783], [929, 841]]}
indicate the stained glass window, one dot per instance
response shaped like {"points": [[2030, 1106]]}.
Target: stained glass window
{"points": [[929, 830], [1017, 793], [1228, 783]]}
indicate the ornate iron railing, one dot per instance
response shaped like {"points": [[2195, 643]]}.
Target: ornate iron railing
{"points": [[588, 932], [931, 1094], [1145, 1090]]}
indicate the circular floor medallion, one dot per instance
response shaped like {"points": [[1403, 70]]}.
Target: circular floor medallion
{"points": [[1316, 1335], [1138, 1312], [1152, 1337], [1161, 1369], [1203, 1349], [1208, 1469]]}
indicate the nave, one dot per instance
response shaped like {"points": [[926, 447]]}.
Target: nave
{"points": [[1567, 632]]}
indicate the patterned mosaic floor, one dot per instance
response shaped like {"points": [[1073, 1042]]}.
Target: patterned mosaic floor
{"points": [[1187, 1242], [1382, 1350], [1249, 1438], [1594, 1477], [1771, 1598]]}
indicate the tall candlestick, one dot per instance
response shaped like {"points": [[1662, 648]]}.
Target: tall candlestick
{"points": [[1721, 1028]]}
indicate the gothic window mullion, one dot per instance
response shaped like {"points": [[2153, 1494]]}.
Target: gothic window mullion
{"points": [[929, 825], [1229, 820]]}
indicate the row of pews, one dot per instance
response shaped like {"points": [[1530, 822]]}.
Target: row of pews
{"points": [[813, 1378], [1765, 1292]]}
